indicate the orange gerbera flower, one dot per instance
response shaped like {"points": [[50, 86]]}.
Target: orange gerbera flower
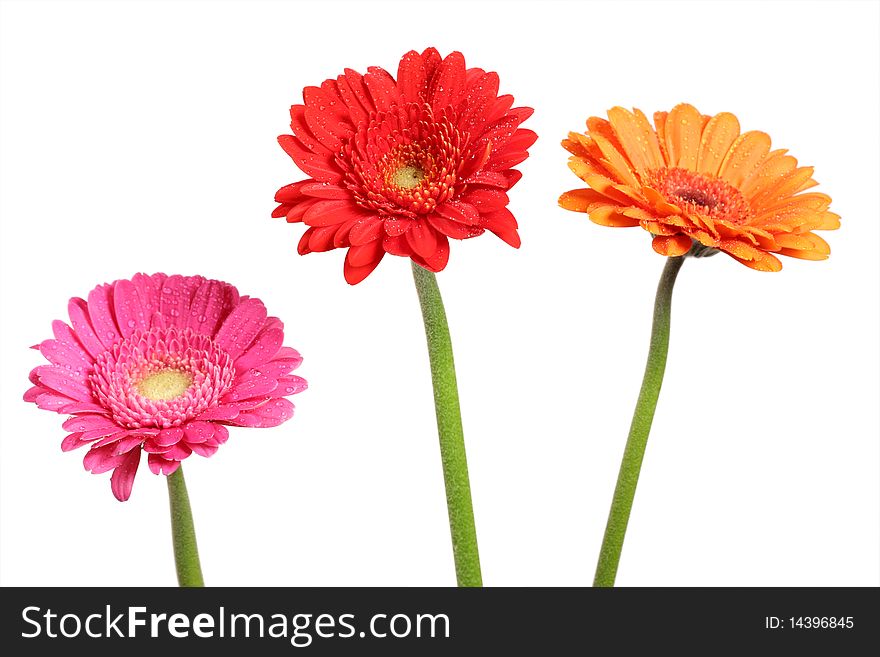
{"points": [[696, 179]]}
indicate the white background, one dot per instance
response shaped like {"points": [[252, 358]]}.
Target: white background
{"points": [[141, 137]]}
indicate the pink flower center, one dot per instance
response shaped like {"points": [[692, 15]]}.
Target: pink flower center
{"points": [[161, 378], [701, 194], [404, 162]]}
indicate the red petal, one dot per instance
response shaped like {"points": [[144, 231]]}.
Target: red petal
{"points": [[463, 213], [361, 256], [448, 82], [440, 257], [326, 213], [366, 231], [382, 88], [486, 200], [318, 167], [326, 191], [412, 78], [422, 238], [453, 228], [503, 224], [354, 275]]}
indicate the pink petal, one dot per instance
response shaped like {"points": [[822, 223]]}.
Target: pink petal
{"points": [[101, 459], [176, 296], [101, 315], [291, 385], [151, 447], [204, 450], [52, 401], [170, 436], [220, 412], [221, 434], [130, 314], [241, 327], [178, 452], [264, 348], [71, 442], [125, 445], [32, 393], [270, 414], [159, 465], [65, 335], [74, 407], [82, 325], [106, 438], [149, 289], [211, 304], [198, 432], [90, 422], [123, 476], [250, 384], [63, 381]]}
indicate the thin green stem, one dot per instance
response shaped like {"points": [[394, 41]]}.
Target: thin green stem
{"points": [[634, 452], [452, 452], [183, 533]]}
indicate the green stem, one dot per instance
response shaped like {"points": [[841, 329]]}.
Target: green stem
{"points": [[183, 533], [452, 452], [634, 452]]}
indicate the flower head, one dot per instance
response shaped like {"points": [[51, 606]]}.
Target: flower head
{"points": [[400, 165], [162, 364], [694, 179]]}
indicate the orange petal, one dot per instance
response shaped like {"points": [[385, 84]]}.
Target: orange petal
{"points": [[718, 136], [777, 166], [615, 162], [584, 200], [745, 157], [826, 221], [610, 216], [672, 245], [683, 129], [751, 256], [807, 245], [660, 127], [638, 139]]}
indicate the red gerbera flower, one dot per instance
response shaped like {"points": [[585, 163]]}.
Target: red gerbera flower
{"points": [[399, 166]]}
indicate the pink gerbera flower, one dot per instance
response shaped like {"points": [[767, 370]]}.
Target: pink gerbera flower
{"points": [[160, 364], [402, 165]]}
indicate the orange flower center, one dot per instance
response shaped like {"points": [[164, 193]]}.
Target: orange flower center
{"points": [[701, 194], [404, 163]]}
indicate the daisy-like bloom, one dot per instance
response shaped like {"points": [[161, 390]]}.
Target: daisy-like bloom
{"points": [[401, 165], [162, 364], [692, 179]]}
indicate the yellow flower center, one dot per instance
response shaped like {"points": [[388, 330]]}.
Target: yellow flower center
{"points": [[165, 385], [409, 176]]}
